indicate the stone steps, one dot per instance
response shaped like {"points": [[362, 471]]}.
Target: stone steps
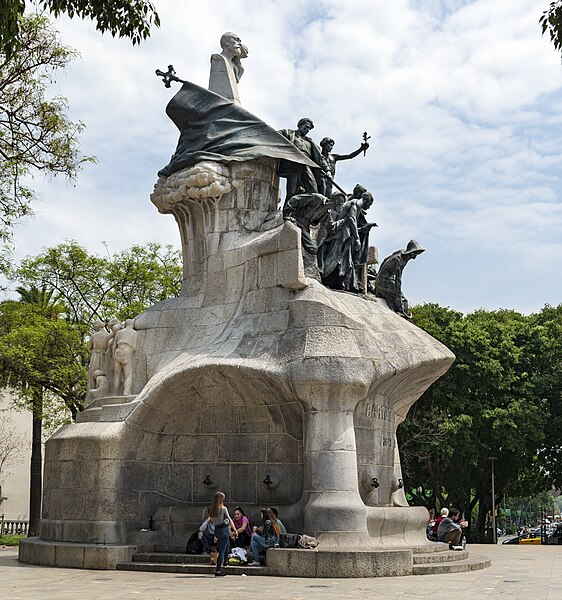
{"points": [[440, 557], [460, 566], [431, 560], [175, 562]]}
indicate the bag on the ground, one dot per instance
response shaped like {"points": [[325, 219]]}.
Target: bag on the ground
{"points": [[194, 545], [237, 557], [307, 541], [289, 540], [214, 556]]}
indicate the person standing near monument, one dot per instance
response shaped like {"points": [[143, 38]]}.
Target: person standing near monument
{"points": [[302, 178], [327, 144], [220, 518], [125, 345]]}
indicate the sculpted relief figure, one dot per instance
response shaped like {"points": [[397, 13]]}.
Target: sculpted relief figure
{"points": [[124, 347], [101, 387], [226, 67], [306, 211], [302, 178], [388, 282], [330, 160], [98, 346], [347, 247]]}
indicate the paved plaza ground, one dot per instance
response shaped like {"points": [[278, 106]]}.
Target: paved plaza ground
{"points": [[529, 572]]}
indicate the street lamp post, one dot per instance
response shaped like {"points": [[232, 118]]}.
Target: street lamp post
{"points": [[494, 528]]}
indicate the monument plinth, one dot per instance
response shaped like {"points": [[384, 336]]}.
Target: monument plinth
{"points": [[256, 380]]}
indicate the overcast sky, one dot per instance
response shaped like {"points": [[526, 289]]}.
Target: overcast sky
{"points": [[463, 101]]}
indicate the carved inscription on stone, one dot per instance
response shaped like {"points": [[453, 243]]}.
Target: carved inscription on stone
{"points": [[376, 411]]}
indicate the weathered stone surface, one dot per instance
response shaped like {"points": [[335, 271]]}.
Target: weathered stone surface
{"points": [[254, 371], [350, 563]]}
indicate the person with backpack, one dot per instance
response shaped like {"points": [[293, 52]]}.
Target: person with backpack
{"points": [[219, 517], [265, 536]]}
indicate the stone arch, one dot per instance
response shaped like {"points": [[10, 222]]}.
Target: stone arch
{"points": [[216, 426]]}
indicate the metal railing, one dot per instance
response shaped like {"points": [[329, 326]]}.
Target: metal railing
{"points": [[11, 527]]}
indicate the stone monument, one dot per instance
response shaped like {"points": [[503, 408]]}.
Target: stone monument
{"points": [[257, 380]]}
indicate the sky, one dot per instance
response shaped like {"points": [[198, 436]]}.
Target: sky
{"points": [[462, 100]]}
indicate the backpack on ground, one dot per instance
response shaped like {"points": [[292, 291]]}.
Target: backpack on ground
{"points": [[194, 545], [289, 540]]}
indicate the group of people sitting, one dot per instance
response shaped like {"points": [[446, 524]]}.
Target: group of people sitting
{"points": [[447, 528], [220, 530]]}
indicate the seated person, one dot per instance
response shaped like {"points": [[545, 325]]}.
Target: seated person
{"points": [[444, 513], [450, 529], [206, 535], [281, 526], [265, 536], [242, 524], [430, 524]]}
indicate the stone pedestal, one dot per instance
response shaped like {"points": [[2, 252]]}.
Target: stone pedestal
{"points": [[254, 371]]}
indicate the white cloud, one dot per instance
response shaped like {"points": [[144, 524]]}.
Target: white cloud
{"points": [[462, 99]]}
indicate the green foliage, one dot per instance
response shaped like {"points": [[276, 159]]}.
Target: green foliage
{"points": [[35, 133], [551, 21], [39, 353], [91, 287], [10, 540], [124, 18], [500, 398], [43, 337]]}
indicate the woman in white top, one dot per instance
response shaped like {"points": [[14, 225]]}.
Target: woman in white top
{"points": [[220, 518]]}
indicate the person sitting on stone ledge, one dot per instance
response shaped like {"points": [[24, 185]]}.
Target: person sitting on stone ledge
{"points": [[282, 527], [207, 535], [265, 536], [242, 524], [450, 529], [444, 512]]}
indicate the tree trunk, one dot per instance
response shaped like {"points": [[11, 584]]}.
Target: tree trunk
{"points": [[36, 480]]}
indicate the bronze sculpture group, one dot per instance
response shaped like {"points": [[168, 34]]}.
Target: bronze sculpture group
{"points": [[334, 227]]}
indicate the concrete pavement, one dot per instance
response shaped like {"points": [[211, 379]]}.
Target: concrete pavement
{"points": [[517, 572]]}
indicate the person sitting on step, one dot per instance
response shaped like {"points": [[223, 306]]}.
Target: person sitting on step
{"points": [[450, 529], [266, 536]]}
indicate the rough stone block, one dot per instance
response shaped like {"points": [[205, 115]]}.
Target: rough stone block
{"points": [[219, 474], [282, 448], [176, 481], [191, 448], [267, 271], [287, 484], [290, 270], [69, 555], [242, 483], [242, 448]]}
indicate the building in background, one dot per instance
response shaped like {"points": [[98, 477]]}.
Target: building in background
{"points": [[15, 456]]}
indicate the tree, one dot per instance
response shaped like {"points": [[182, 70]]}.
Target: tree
{"points": [[35, 133], [42, 358], [91, 287], [43, 337], [545, 368], [125, 18], [551, 21], [485, 405]]}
